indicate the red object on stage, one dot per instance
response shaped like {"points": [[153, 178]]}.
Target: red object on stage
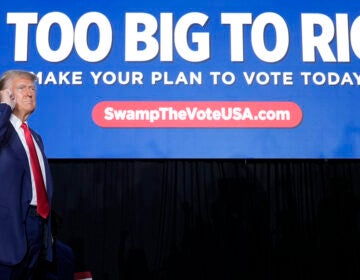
{"points": [[84, 275]]}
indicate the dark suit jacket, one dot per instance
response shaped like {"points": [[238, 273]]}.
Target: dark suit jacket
{"points": [[16, 192]]}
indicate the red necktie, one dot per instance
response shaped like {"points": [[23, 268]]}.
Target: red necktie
{"points": [[42, 200]]}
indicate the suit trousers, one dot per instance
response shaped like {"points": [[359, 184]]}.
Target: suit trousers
{"points": [[34, 226]]}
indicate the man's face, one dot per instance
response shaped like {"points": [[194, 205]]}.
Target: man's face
{"points": [[24, 90]]}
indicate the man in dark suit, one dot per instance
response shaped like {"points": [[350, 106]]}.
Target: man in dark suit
{"points": [[25, 232]]}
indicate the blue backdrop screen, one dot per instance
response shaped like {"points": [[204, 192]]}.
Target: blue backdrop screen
{"points": [[190, 79]]}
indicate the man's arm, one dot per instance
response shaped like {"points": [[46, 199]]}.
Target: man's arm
{"points": [[7, 104]]}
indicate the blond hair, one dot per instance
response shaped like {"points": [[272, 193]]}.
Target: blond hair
{"points": [[9, 75]]}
